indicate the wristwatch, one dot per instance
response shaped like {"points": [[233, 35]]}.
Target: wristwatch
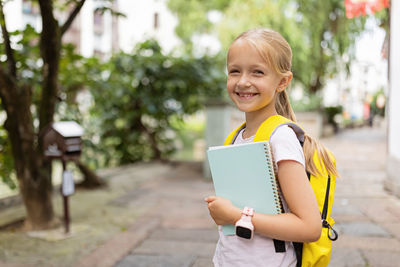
{"points": [[244, 227]]}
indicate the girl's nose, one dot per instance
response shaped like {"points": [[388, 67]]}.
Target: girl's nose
{"points": [[244, 81]]}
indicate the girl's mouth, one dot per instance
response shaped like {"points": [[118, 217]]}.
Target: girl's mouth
{"points": [[246, 95]]}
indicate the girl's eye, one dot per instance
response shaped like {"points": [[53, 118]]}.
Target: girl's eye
{"points": [[258, 72], [233, 71]]}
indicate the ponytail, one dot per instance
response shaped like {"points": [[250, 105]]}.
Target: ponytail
{"points": [[310, 146], [283, 107]]}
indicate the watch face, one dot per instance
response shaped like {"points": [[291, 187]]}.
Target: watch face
{"points": [[243, 232]]}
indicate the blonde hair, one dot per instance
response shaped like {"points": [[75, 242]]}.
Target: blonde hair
{"points": [[276, 51]]}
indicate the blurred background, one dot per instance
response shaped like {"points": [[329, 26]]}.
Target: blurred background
{"points": [[146, 81], [138, 75]]}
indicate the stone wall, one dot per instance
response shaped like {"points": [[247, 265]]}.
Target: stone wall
{"points": [[221, 118], [311, 122]]}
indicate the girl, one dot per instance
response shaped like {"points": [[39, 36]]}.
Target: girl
{"points": [[259, 64]]}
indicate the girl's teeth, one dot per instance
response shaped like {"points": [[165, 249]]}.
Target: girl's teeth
{"points": [[246, 95]]}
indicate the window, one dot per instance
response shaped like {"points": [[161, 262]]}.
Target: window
{"points": [[156, 20], [98, 22]]}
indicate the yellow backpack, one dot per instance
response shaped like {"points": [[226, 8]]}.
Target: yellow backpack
{"points": [[315, 253]]}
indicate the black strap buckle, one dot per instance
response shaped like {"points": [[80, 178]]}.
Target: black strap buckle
{"points": [[335, 236]]}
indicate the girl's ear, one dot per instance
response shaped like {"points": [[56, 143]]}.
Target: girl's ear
{"points": [[285, 81]]}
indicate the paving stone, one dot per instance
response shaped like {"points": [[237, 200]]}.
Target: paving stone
{"points": [[368, 243], [393, 228], [203, 262], [120, 245], [394, 209], [342, 206], [129, 197], [358, 175], [343, 257], [365, 134], [382, 258], [187, 214], [343, 218], [344, 211], [136, 260], [379, 210], [361, 229], [360, 190], [165, 247]]}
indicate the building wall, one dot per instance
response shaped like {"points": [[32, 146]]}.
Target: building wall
{"points": [[102, 36], [96, 35], [144, 20], [392, 182], [13, 14], [19, 13], [88, 37]]}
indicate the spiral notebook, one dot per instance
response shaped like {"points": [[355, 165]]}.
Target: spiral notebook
{"points": [[245, 175]]}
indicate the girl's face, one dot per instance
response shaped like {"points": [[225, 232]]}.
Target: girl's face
{"points": [[251, 84]]}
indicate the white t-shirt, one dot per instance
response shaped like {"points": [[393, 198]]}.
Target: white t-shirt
{"points": [[234, 251]]}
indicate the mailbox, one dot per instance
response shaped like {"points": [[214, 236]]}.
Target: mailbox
{"points": [[62, 140]]}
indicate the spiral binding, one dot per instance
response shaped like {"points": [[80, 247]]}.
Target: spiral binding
{"points": [[273, 176]]}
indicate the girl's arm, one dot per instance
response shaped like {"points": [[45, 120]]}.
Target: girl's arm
{"points": [[301, 224]]}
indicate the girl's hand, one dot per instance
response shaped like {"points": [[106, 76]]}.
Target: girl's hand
{"points": [[222, 210]]}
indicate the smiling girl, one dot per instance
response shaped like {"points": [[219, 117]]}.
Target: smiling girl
{"points": [[259, 71]]}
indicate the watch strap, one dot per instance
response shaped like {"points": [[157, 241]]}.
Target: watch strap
{"points": [[248, 211]]}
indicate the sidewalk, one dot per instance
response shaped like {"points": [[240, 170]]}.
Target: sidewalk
{"points": [[367, 217], [176, 230], [154, 215]]}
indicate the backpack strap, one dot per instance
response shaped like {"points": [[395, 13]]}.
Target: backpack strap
{"points": [[230, 139], [269, 126], [325, 223], [298, 249]]}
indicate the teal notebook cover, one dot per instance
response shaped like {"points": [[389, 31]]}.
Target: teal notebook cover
{"points": [[245, 175]]}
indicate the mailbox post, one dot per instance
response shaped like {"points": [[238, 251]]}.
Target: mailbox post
{"points": [[62, 140]]}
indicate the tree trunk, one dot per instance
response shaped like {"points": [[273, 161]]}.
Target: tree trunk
{"points": [[157, 154], [37, 197], [33, 173], [91, 180], [316, 85]]}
